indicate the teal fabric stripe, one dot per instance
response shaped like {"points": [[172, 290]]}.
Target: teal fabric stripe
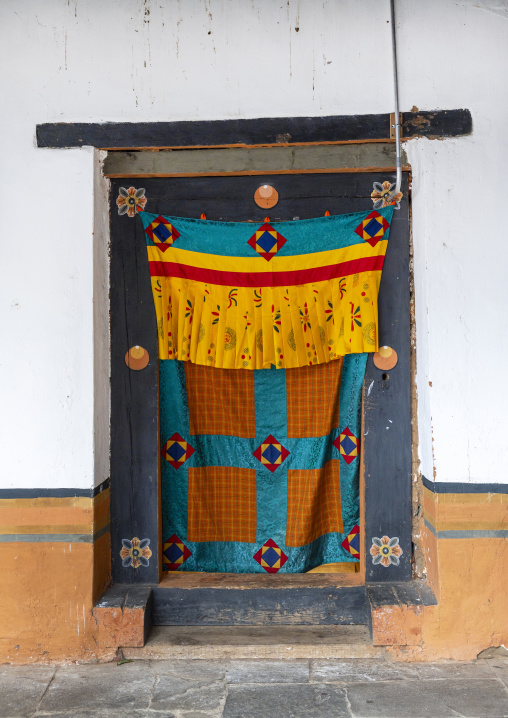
{"points": [[225, 556], [325, 549], [270, 398], [350, 415], [311, 453], [272, 498], [174, 417], [173, 392], [304, 236], [271, 418], [304, 453], [211, 450]]}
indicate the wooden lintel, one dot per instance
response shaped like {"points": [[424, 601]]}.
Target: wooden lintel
{"points": [[272, 131]]}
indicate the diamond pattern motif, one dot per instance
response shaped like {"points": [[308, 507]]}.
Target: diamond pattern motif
{"points": [[348, 445], [352, 542], [174, 553], [266, 241], [162, 233], [271, 453], [270, 557], [373, 228], [176, 450]]}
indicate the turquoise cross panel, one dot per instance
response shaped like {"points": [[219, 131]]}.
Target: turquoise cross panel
{"points": [[271, 453]]}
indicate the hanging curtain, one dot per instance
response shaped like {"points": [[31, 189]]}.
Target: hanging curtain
{"points": [[263, 340]]}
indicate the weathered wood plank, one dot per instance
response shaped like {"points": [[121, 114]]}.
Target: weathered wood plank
{"points": [[251, 132], [261, 159], [411, 593], [134, 402], [437, 123], [387, 413], [259, 607], [183, 580]]}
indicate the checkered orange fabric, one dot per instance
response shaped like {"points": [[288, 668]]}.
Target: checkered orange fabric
{"points": [[222, 504], [221, 401], [313, 503], [313, 395]]}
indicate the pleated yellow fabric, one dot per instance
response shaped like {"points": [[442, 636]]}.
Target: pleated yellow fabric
{"points": [[244, 309]]}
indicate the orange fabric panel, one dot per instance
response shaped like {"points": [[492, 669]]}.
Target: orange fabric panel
{"points": [[222, 504], [313, 399], [220, 401], [313, 504]]}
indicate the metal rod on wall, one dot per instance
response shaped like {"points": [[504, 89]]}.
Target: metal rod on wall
{"points": [[398, 162]]}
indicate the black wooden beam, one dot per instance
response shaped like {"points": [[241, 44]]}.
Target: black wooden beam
{"points": [[260, 606], [252, 132]]}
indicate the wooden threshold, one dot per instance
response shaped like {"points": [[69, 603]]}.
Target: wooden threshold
{"points": [[190, 580]]}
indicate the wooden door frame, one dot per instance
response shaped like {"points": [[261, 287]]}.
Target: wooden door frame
{"points": [[386, 501]]}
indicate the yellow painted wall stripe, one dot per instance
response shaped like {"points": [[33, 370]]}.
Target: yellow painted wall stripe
{"points": [[47, 529], [43, 502]]}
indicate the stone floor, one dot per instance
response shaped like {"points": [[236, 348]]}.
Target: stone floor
{"points": [[252, 689]]}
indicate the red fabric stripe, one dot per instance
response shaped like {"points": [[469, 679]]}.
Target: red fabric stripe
{"points": [[266, 279]]}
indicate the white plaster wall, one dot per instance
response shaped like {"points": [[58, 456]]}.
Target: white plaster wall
{"points": [[98, 60]]}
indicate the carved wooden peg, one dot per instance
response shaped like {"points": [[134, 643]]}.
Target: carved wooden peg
{"points": [[137, 358], [266, 196], [386, 358]]}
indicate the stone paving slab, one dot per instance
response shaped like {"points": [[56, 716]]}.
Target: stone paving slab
{"points": [[444, 671], [257, 689], [175, 694], [500, 669], [189, 669], [102, 713], [21, 689], [196, 688], [268, 672], [99, 686], [297, 700], [429, 699], [359, 671]]}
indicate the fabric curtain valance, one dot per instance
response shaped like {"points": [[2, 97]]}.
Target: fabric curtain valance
{"points": [[237, 295]]}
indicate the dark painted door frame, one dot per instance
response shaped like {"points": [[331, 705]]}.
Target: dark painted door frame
{"points": [[135, 467]]}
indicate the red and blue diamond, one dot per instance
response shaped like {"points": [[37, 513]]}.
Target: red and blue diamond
{"points": [[162, 233], [270, 557], [352, 542], [271, 453], [372, 228], [348, 445], [176, 450], [266, 241], [174, 553]]}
